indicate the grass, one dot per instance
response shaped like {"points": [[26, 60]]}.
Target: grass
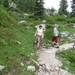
{"points": [[16, 45], [62, 27], [16, 42], [67, 58]]}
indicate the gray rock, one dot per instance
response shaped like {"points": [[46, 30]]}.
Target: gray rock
{"points": [[64, 34], [1, 67], [44, 21], [31, 68], [12, 4], [22, 22]]}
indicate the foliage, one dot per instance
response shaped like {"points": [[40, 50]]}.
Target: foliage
{"points": [[60, 18], [6, 3], [63, 26], [73, 8], [16, 45], [16, 42], [52, 10], [39, 9], [50, 19], [71, 20], [67, 57], [25, 5], [48, 34], [55, 19], [63, 7]]}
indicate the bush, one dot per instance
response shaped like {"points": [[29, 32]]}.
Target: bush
{"points": [[50, 19], [55, 19], [71, 20], [60, 18]]}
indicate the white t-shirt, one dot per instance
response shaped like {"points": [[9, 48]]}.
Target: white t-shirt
{"points": [[39, 32], [56, 31]]}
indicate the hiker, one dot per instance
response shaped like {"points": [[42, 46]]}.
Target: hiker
{"points": [[55, 36], [39, 33]]}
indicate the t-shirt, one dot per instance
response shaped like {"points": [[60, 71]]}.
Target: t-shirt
{"points": [[56, 31], [39, 32]]}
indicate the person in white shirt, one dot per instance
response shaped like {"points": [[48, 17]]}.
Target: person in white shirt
{"points": [[55, 37], [39, 33]]}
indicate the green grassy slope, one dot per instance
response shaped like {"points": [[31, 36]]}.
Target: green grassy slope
{"points": [[16, 45], [16, 42]]}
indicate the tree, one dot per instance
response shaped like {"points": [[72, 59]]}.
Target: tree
{"points": [[6, 3], [39, 9], [52, 11], [63, 7], [25, 5], [73, 8]]}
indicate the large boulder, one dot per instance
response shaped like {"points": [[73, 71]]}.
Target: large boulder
{"points": [[64, 34]]}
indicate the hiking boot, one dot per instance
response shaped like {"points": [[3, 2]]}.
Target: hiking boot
{"points": [[55, 44], [52, 45], [57, 47]]}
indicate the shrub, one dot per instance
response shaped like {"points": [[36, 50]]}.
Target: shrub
{"points": [[50, 19], [71, 20], [60, 18]]}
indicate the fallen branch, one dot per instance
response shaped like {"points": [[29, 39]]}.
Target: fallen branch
{"points": [[36, 62]]}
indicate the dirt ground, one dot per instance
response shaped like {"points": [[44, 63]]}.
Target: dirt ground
{"points": [[49, 63]]}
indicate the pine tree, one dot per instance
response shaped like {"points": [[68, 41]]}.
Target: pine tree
{"points": [[6, 3], [25, 5], [63, 7], [73, 8], [39, 9]]}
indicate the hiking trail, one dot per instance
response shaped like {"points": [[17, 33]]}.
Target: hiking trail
{"points": [[49, 63]]}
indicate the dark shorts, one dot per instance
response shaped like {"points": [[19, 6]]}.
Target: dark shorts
{"points": [[55, 39]]}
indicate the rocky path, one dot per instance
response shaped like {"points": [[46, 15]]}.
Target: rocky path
{"points": [[49, 64]]}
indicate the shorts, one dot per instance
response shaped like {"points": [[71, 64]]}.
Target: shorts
{"points": [[55, 39]]}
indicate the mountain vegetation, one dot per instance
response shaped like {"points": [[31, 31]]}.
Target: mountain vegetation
{"points": [[16, 40], [63, 7], [39, 9], [15, 44], [73, 8]]}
